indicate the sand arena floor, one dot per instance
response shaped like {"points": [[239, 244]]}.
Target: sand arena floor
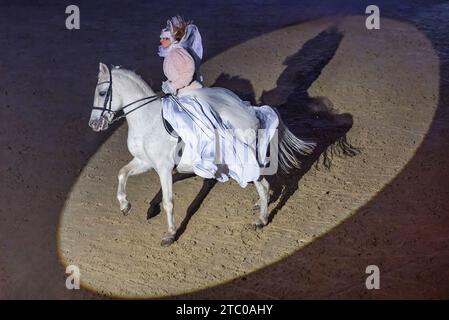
{"points": [[385, 205]]}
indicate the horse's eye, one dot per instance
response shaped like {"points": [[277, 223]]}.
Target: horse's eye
{"points": [[102, 93]]}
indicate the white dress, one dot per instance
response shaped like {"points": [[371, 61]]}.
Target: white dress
{"points": [[221, 133]]}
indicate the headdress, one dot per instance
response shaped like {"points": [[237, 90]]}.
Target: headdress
{"points": [[175, 29], [187, 34]]}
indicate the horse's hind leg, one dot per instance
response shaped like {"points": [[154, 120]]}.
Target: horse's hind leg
{"points": [[267, 187], [263, 191], [134, 167]]}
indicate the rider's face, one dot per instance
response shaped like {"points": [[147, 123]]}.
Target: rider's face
{"points": [[165, 42]]}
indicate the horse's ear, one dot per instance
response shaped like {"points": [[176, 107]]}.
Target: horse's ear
{"points": [[103, 69]]}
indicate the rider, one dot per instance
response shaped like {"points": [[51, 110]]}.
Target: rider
{"points": [[209, 120], [182, 51]]}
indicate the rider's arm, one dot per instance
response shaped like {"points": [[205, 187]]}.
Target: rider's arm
{"points": [[179, 68]]}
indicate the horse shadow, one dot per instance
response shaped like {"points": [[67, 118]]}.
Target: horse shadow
{"points": [[310, 118]]}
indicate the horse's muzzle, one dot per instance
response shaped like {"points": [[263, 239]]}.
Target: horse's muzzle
{"points": [[99, 124]]}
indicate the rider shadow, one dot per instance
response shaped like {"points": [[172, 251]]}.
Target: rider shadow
{"points": [[311, 118]]}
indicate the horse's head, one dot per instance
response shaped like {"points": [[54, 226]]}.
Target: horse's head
{"points": [[106, 102]]}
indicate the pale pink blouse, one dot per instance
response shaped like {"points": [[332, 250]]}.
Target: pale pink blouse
{"points": [[179, 68]]}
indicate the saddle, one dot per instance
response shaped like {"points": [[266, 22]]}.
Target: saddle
{"points": [[168, 127]]}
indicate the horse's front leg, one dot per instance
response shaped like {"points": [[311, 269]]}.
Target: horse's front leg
{"points": [[134, 167], [166, 178]]}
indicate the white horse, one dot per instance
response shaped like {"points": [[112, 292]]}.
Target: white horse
{"points": [[154, 148]]}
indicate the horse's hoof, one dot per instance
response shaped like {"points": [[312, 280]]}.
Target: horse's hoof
{"points": [[126, 210], [259, 224], [167, 240]]}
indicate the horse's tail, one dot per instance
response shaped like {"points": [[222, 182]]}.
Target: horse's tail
{"points": [[289, 144]]}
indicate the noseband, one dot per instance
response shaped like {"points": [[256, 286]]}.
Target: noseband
{"points": [[107, 104]]}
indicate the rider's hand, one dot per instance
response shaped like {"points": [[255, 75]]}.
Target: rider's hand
{"points": [[166, 88]]}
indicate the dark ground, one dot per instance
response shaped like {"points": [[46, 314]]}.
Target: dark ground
{"points": [[39, 163]]}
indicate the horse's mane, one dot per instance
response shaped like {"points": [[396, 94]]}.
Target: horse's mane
{"points": [[131, 75]]}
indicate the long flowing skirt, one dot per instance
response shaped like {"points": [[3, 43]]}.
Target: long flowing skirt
{"points": [[223, 135]]}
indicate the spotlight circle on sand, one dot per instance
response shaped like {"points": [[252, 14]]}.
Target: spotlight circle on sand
{"points": [[372, 76]]}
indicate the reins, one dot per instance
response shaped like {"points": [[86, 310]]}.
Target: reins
{"points": [[117, 118]]}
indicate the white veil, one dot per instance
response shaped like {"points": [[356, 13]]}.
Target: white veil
{"points": [[192, 42]]}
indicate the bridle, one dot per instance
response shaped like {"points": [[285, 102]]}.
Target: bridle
{"points": [[107, 104]]}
